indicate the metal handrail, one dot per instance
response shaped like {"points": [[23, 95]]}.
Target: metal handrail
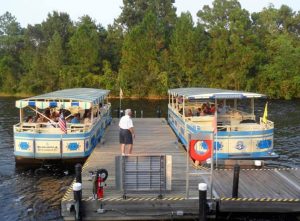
{"points": [[236, 127]]}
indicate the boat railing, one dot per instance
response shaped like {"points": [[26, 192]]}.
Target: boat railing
{"points": [[268, 124], [221, 126], [52, 128]]}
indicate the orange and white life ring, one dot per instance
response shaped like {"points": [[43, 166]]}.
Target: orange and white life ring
{"points": [[194, 153]]}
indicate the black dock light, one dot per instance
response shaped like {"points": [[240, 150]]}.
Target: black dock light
{"points": [[202, 187], [77, 197], [235, 185], [78, 169]]}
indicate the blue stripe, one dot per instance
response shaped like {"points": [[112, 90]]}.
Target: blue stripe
{"points": [[53, 104], [31, 103], [182, 139], [177, 117], [249, 155], [245, 133], [234, 133], [243, 137], [74, 103]]}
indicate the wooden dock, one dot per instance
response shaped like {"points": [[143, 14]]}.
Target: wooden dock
{"points": [[260, 190]]}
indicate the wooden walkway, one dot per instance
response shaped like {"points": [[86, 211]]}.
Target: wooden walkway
{"points": [[265, 190]]}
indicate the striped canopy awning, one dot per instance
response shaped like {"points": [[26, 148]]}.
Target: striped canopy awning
{"points": [[75, 97], [212, 93]]}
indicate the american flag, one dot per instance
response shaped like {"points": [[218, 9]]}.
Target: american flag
{"points": [[62, 123]]}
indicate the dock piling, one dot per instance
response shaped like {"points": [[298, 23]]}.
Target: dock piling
{"points": [[235, 185], [77, 190], [158, 112], [78, 169], [202, 187]]}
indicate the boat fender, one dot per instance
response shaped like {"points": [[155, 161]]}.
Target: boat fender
{"points": [[195, 155]]}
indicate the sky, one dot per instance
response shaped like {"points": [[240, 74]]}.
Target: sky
{"points": [[105, 11]]}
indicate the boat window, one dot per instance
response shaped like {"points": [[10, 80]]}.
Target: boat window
{"points": [[244, 105]]}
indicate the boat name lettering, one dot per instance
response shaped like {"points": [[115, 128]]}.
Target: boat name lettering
{"points": [[46, 147]]}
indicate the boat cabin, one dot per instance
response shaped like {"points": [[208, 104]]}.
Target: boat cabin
{"points": [[61, 124], [228, 115]]}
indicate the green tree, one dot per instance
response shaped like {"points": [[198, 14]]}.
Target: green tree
{"points": [[140, 71], [278, 74], [232, 48], [54, 61], [134, 11], [109, 79], [187, 46], [279, 77], [11, 42], [112, 46], [60, 23], [84, 45]]}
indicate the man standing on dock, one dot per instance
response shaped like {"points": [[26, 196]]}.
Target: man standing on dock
{"points": [[126, 131]]}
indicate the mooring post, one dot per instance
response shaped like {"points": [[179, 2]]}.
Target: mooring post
{"points": [[118, 112], [77, 188], [158, 112], [235, 185], [202, 187], [78, 169]]}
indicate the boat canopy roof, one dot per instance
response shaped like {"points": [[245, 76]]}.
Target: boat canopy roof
{"points": [[212, 93], [80, 97]]}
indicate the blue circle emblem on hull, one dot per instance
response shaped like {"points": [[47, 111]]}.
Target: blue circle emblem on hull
{"points": [[73, 146], [24, 145]]}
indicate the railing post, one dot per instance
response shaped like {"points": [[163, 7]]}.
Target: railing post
{"points": [[235, 185], [202, 187]]}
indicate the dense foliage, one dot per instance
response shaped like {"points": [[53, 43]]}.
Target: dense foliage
{"points": [[149, 49]]}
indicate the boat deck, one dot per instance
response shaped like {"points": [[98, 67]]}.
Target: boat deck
{"points": [[265, 190]]}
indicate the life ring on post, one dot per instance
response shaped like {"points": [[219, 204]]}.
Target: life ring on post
{"points": [[194, 153]]}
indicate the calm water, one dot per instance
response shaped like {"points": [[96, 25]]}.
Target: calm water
{"points": [[28, 195]]}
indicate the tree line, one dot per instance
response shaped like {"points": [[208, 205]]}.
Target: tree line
{"points": [[149, 49]]}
